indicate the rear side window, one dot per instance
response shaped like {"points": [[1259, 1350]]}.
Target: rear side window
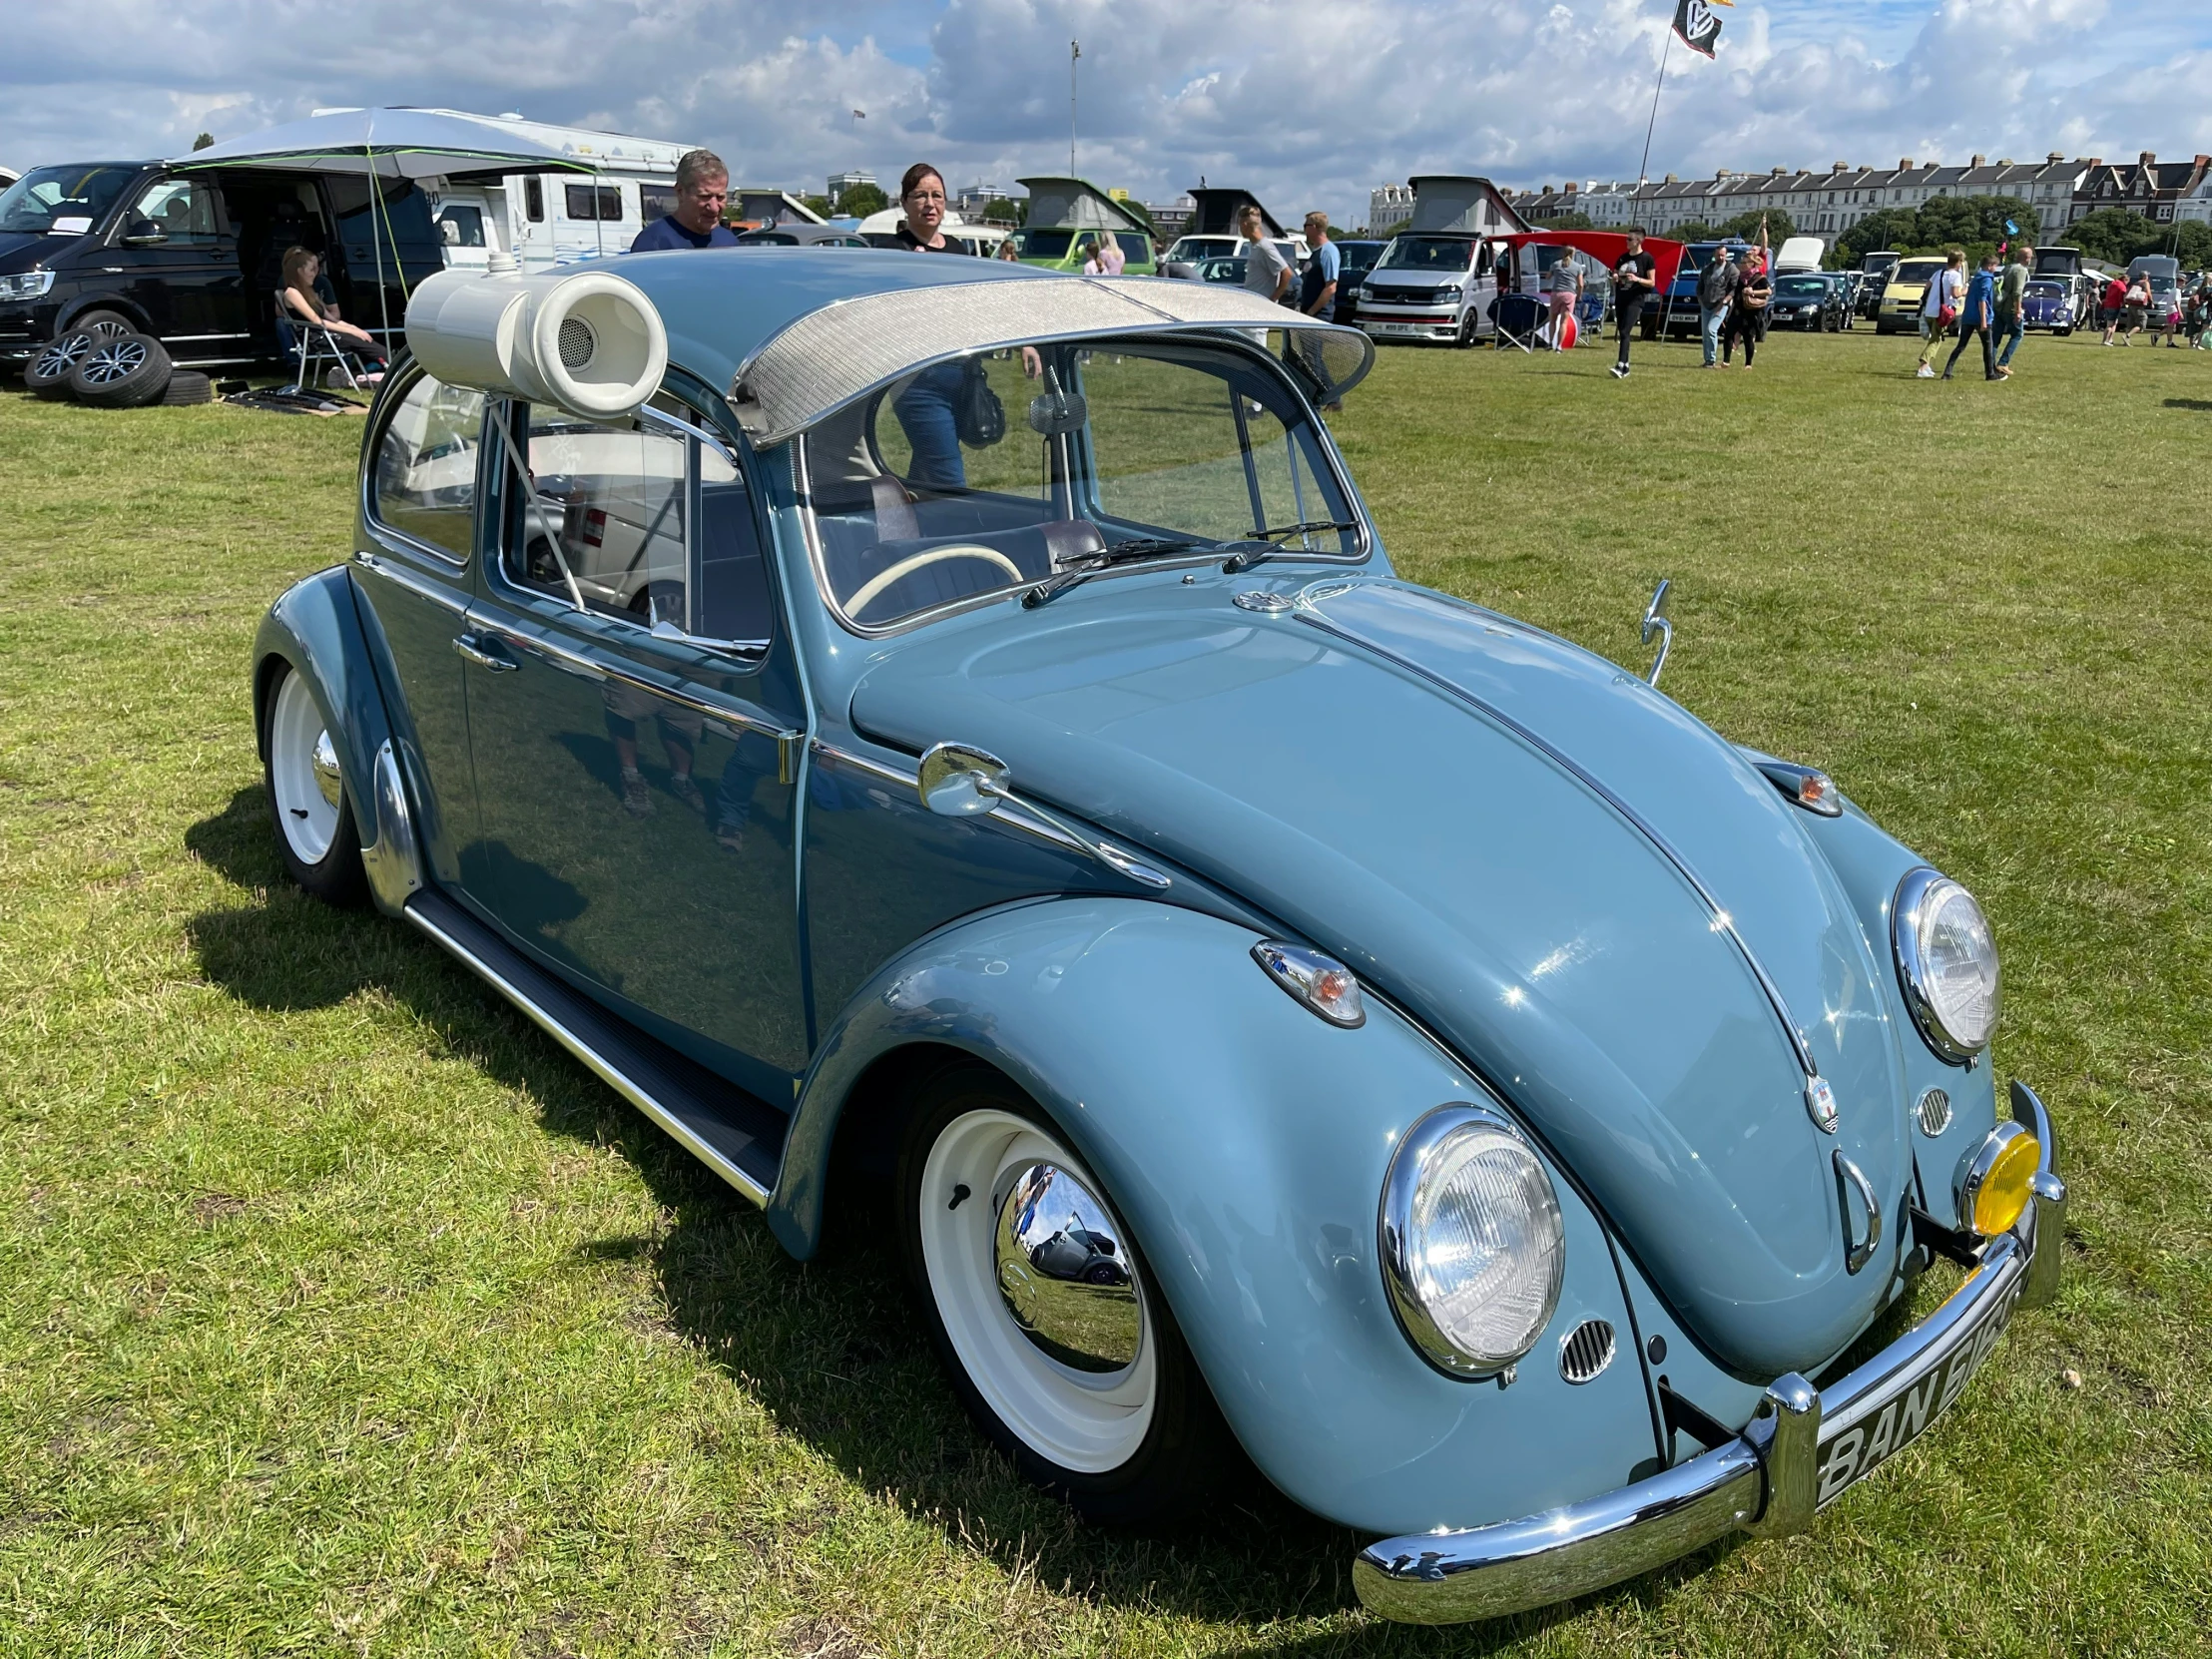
{"points": [[594, 201], [533, 199], [633, 520], [424, 482], [462, 226]]}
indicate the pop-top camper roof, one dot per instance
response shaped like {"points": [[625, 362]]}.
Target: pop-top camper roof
{"points": [[1060, 204], [1464, 203], [1216, 210]]}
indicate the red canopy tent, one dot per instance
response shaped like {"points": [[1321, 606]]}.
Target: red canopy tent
{"points": [[1610, 247]]}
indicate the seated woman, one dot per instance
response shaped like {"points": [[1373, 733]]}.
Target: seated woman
{"points": [[303, 304]]}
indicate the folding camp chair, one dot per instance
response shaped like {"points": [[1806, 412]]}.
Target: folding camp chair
{"points": [[1518, 318], [308, 344]]}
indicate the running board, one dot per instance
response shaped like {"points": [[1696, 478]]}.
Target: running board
{"points": [[735, 1134]]}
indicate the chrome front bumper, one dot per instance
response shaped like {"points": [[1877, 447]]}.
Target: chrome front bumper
{"points": [[1802, 1449]]}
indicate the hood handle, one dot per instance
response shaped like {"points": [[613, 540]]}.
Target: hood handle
{"points": [[1655, 622], [1849, 1178]]}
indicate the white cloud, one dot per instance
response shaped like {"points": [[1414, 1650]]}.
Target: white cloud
{"points": [[1308, 101]]}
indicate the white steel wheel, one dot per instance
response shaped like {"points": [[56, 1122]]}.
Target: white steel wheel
{"points": [[1075, 1381], [303, 773]]}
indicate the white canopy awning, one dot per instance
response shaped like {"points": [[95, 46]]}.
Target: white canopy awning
{"points": [[830, 357], [390, 144]]}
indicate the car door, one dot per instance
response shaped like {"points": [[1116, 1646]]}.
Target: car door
{"points": [[635, 784], [178, 262], [412, 566]]}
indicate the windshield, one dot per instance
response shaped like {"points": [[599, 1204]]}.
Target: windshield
{"points": [[1800, 287], [992, 472], [1451, 254], [1201, 247], [62, 201], [1358, 255], [1908, 271]]}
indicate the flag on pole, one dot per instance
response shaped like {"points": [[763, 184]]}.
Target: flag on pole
{"points": [[1695, 22]]}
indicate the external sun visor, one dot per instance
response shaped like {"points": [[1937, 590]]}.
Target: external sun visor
{"points": [[588, 341]]}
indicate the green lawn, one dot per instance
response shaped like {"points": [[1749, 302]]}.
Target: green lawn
{"points": [[342, 1312]]}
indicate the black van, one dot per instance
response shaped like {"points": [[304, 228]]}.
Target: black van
{"points": [[194, 259]]}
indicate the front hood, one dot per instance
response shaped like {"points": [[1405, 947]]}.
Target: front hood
{"points": [[20, 252], [1332, 763]]}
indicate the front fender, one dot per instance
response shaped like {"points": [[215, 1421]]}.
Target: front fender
{"points": [[1244, 1143], [314, 627]]}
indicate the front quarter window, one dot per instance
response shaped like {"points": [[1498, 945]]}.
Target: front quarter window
{"points": [[1098, 454], [424, 482]]}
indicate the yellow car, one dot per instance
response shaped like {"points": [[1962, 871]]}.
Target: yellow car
{"points": [[1903, 297]]}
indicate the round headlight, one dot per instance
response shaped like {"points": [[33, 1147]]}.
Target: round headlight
{"points": [[1471, 1242], [1946, 962]]}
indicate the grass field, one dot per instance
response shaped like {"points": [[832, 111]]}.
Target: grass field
{"points": [[342, 1312]]}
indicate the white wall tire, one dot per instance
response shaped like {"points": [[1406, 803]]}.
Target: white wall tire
{"points": [[307, 798], [1127, 1440]]}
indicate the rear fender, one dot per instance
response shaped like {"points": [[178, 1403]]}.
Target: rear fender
{"points": [[1244, 1142], [315, 629]]}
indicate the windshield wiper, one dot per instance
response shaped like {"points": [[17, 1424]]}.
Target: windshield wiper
{"points": [[1122, 552], [1253, 555]]}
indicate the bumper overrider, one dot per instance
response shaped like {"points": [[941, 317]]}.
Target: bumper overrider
{"points": [[1801, 1451]]}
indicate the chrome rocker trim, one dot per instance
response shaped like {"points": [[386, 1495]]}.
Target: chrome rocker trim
{"points": [[1765, 1481]]}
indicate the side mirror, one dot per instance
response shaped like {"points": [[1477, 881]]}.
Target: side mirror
{"points": [[1655, 622], [143, 233], [1054, 413], [960, 782]]}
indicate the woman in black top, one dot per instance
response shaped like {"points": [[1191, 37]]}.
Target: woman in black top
{"points": [[1747, 316], [926, 409]]}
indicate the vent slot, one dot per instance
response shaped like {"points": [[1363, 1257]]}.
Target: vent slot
{"points": [[1934, 1111], [578, 343], [1587, 1351]]}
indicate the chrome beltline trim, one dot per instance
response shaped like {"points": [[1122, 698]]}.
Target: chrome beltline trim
{"points": [[593, 668], [606, 1070], [1723, 921], [422, 588]]}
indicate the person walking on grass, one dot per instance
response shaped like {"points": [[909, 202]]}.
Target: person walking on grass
{"points": [[1716, 296], [2135, 309], [1980, 318], [1941, 308], [2012, 307], [1633, 282], [1747, 313], [1317, 287], [2109, 306]]}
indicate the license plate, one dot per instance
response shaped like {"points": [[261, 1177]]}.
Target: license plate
{"points": [[1872, 1441], [1398, 327]]}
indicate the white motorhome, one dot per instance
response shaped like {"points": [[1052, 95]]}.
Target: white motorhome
{"points": [[974, 234]]}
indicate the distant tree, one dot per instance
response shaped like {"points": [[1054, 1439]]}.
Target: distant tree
{"points": [[1000, 211], [818, 205], [1560, 222], [1780, 225], [1972, 221], [862, 200], [203, 141], [1888, 228], [1695, 231], [2117, 235]]}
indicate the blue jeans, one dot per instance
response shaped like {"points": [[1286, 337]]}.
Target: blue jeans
{"points": [[925, 412], [2011, 330], [1709, 320]]}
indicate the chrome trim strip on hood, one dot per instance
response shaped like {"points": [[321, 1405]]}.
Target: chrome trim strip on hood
{"points": [[1722, 920]]}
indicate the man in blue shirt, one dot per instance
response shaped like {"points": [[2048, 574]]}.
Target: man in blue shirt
{"points": [[1317, 291], [701, 186], [1980, 318]]}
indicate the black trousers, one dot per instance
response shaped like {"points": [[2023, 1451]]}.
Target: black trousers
{"points": [[1967, 331], [1627, 318]]}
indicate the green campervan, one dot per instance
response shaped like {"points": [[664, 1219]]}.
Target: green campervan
{"points": [[1064, 214]]}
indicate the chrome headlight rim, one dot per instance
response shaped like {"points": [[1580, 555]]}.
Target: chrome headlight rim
{"points": [[1392, 1229], [1913, 897]]}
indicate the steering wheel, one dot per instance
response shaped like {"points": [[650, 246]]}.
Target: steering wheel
{"points": [[874, 587]]}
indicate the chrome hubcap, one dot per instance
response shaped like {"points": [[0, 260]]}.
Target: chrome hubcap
{"points": [[1064, 1277], [325, 759]]}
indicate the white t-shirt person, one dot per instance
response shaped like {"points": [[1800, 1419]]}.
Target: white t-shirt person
{"points": [[1949, 289], [1265, 268]]}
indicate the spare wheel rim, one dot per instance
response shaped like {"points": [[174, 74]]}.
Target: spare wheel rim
{"points": [[1085, 1422], [307, 797]]}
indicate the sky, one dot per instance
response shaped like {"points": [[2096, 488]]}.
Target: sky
{"points": [[1307, 103]]}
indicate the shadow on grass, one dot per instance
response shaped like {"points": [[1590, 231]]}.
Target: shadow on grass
{"points": [[2190, 403], [832, 1347]]}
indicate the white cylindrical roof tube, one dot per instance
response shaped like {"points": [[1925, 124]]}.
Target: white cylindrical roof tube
{"points": [[587, 341]]}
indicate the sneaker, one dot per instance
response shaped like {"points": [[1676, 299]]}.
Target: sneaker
{"points": [[635, 800], [1947, 373], [2001, 374], [1620, 372], [687, 792], [1927, 372], [730, 839]]}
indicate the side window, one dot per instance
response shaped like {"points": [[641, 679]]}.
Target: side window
{"points": [[533, 199], [656, 201], [462, 224], [425, 477], [633, 521], [181, 211], [593, 201], [606, 528]]}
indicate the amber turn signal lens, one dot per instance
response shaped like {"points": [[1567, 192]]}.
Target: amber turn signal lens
{"points": [[2002, 1192]]}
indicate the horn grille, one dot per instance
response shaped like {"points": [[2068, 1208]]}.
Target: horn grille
{"points": [[1587, 1351], [1934, 1111], [578, 343]]}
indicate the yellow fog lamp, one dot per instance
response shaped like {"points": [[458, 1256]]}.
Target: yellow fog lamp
{"points": [[1993, 1184]]}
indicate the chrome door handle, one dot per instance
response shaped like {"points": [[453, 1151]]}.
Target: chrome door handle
{"points": [[1857, 1256], [470, 651]]}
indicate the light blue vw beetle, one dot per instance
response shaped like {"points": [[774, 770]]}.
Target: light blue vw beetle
{"points": [[946, 740]]}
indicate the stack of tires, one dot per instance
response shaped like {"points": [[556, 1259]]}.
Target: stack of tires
{"points": [[102, 361]]}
